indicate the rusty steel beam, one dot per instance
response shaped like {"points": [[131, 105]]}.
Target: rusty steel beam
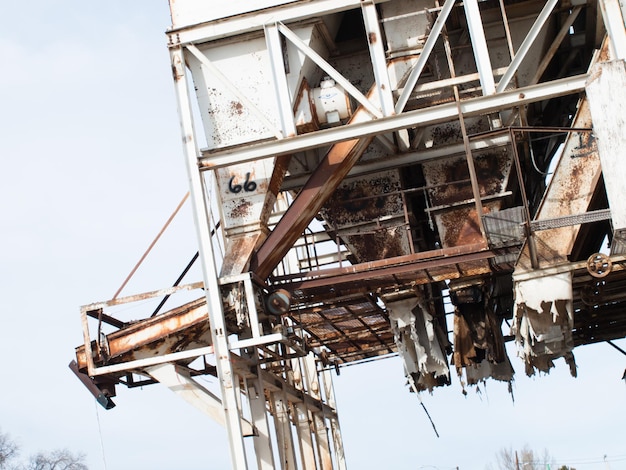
{"points": [[184, 325], [329, 174], [395, 266], [335, 165]]}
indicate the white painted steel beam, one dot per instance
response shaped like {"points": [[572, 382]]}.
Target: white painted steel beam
{"points": [[421, 117], [225, 373], [305, 438], [520, 55], [424, 55], [150, 361], [138, 297], [614, 23], [282, 423], [404, 159], [281, 88], [330, 70], [377, 54], [179, 381], [254, 21], [479, 46], [329, 391], [262, 439]]}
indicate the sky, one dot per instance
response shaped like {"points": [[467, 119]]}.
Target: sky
{"points": [[92, 168]]}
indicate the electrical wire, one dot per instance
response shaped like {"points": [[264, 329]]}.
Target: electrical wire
{"points": [[104, 461]]}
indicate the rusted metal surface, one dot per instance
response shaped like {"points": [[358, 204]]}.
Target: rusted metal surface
{"points": [[570, 192], [364, 200], [368, 215], [387, 272], [238, 252], [450, 187], [607, 102], [184, 327], [352, 329], [330, 172], [479, 351], [381, 243], [328, 175]]}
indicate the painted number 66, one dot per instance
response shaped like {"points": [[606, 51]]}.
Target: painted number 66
{"points": [[247, 186]]}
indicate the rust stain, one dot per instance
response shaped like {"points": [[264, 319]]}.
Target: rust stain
{"points": [[241, 210], [378, 245], [175, 73], [362, 201], [451, 178], [236, 107], [461, 227], [371, 37]]}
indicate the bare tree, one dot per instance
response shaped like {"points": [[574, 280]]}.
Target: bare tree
{"points": [[524, 459], [9, 451], [61, 459], [57, 460]]}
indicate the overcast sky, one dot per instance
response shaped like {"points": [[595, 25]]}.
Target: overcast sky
{"points": [[92, 168]]}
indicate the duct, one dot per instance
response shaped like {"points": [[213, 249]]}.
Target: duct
{"points": [[184, 327], [420, 342], [543, 322], [246, 204]]}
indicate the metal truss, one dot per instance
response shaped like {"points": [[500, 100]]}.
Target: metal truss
{"points": [[273, 366]]}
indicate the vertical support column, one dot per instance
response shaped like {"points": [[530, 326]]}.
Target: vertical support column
{"points": [[275, 50], [280, 405], [377, 54], [262, 440], [614, 20], [253, 316], [379, 65], [472, 169], [305, 439], [319, 424], [302, 420], [322, 442], [225, 372], [334, 421], [479, 45]]}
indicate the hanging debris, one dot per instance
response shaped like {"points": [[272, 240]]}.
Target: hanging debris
{"points": [[420, 342]]}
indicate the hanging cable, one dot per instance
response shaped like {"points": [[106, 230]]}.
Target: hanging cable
{"points": [[104, 461], [414, 387]]}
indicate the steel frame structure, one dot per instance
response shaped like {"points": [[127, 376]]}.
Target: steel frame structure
{"points": [[275, 385]]}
